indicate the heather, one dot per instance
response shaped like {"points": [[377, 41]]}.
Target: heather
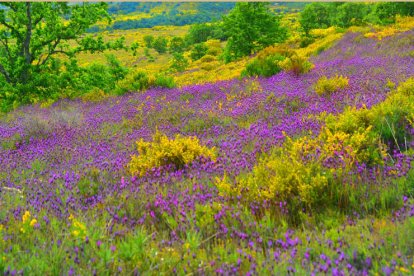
{"points": [[243, 176]]}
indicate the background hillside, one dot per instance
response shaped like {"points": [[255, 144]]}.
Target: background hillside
{"points": [[132, 15]]}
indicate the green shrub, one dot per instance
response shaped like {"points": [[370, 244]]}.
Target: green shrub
{"points": [[306, 41], [178, 62], [198, 51], [137, 81], [162, 80], [208, 58], [325, 86], [263, 66]]}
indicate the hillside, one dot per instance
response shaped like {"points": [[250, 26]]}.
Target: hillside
{"points": [[71, 161], [275, 140], [131, 15]]}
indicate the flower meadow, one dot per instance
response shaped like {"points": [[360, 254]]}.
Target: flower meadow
{"points": [[281, 175]]}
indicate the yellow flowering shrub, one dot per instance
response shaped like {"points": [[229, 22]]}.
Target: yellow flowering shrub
{"points": [[163, 151], [323, 32], [389, 119], [402, 24], [325, 86], [303, 168], [96, 95], [296, 64]]}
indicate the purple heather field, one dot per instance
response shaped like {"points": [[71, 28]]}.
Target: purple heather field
{"points": [[71, 159]]}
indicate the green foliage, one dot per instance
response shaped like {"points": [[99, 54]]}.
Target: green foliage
{"points": [[163, 151], [160, 44], [33, 34], [306, 41], [134, 47], [351, 14], [385, 12], [251, 27], [149, 40], [325, 86], [198, 51], [178, 63], [162, 80], [296, 64], [264, 66], [137, 81], [200, 33], [177, 45], [315, 16]]}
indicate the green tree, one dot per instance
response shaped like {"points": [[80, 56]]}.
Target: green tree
{"points": [[350, 14], [178, 62], [148, 39], [32, 34], [198, 51], [314, 16], [250, 27], [177, 45], [160, 44]]}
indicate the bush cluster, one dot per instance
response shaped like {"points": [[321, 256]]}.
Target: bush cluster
{"points": [[327, 86], [310, 172], [163, 152]]}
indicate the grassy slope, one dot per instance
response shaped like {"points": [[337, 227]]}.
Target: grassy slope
{"points": [[186, 226]]}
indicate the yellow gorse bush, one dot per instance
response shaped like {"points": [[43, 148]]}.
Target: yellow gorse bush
{"points": [[303, 167], [163, 151], [310, 168], [388, 119], [402, 24], [325, 86]]}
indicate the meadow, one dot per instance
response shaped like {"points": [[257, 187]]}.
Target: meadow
{"points": [[75, 190], [295, 159]]}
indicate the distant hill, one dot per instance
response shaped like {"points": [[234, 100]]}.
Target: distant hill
{"points": [[134, 15]]}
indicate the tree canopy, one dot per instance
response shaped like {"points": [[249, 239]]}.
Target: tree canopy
{"points": [[250, 27], [32, 33]]}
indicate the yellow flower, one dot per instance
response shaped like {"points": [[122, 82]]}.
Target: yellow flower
{"points": [[33, 222], [1, 227], [71, 217], [26, 216], [402, 269], [22, 230], [75, 233]]}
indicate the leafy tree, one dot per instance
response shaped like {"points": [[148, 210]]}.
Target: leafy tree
{"points": [[199, 33], [386, 12], [250, 27], [160, 44], [32, 34], [350, 14], [198, 51], [179, 62], [177, 45], [148, 39], [314, 16]]}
